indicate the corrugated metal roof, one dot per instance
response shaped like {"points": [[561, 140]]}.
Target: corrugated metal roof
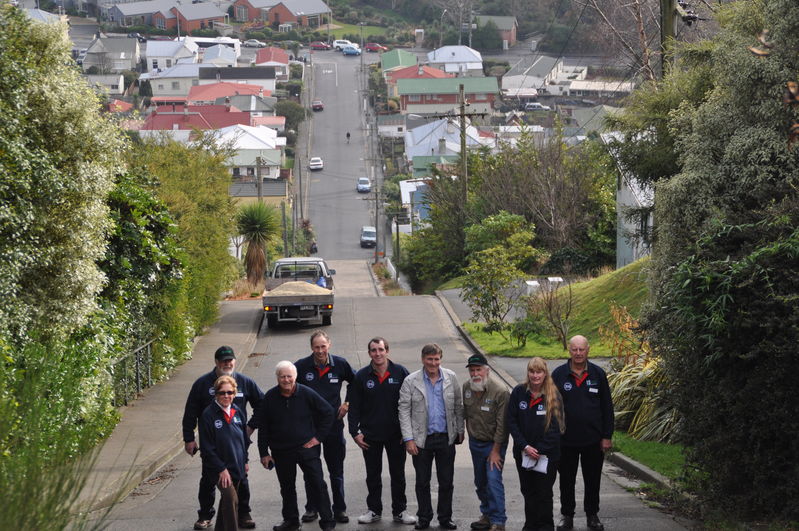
{"points": [[396, 58], [448, 85]]}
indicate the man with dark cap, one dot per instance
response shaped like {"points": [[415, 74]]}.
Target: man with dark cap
{"points": [[484, 404], [200, 396]]}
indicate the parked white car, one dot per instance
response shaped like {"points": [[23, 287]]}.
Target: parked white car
{"points": [[316, 164], [340, 44], [535, 106]]}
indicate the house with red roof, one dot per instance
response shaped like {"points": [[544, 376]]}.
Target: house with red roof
{"points": [[411, 72], [277, 58], [181, 121], [208, 94]]}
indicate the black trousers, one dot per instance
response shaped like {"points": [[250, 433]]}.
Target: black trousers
{"points": [[333, 449], [207, 494], [590, 459], [373, 459], [537, 492], [286, 463], [436, 447]]}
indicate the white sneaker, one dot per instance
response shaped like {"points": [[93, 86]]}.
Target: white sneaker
{"points": [[405, 518], [368, 517]]}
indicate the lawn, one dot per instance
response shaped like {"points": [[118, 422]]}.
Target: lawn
{"points": [[667, 459], [354, 29], [592, 301]]}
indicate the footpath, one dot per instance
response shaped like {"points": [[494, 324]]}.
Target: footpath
{"points": [[149, 434]]}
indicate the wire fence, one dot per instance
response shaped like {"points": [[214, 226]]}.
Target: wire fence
{"points": [[132, 373]]}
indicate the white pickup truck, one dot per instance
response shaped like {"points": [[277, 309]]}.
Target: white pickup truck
{"points": [[299, 289]]}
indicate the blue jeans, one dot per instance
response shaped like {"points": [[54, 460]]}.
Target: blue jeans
{"points": [[488, 481]]}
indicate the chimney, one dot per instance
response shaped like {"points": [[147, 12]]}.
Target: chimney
{"points": [[185, 110], [227, 103], [173, 110], [442, 146], [421, 70], [218, 75]]}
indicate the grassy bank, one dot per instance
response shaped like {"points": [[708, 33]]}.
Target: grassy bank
{"points": [[666, 459], [592, 300]]}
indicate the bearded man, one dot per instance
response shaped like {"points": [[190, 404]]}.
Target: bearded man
{"points": [[485, 403]]}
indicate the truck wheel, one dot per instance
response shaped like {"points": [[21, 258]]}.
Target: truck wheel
{"points": [[326, 320], [271, 321]]}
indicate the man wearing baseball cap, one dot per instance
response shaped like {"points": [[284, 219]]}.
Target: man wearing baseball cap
{"points": [[200, 396], [484, 404]]}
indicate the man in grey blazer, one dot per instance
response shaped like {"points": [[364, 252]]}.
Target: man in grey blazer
{"points": [[431, 419]]}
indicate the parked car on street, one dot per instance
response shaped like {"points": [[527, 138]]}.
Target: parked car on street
{"points": [[317, 105], [375, 47], [368, 236], [535, 106], [339, 44], [138, 36], [319, 45], [351, 50], [316, 164], [364, 185], [254, 43]]}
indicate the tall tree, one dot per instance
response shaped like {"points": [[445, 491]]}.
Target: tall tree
{"points": [[58, 157], [724, 270], [259, 224]]}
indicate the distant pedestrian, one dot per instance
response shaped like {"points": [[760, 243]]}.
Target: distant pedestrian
{"points": [[485, 403], [200, 397], [431, 418], [325, 373], [535, 419], [223, 447], [589, 429], [292, 421], [374, 425]]}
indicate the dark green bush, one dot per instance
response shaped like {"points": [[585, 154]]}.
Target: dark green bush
{"points": [[730, 320]]}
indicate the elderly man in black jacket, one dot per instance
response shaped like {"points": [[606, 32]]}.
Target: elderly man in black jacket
{"points": [[291, 421]]}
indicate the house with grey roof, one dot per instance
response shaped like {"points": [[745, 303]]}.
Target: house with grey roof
{"points": [[307, 13], [459, 60], [251, 103], [107, 84], [441, 138], [528, 77], [166, 54], [220, 55], [506, 27], [263, 76], [175, 81], [112, 54], [137, 13]]}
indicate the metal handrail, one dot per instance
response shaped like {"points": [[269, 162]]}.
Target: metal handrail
{"points": [[132, 373]]}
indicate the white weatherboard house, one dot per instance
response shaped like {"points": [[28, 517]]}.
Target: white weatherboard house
{"points": [[459, 60], [166, 54], [249, 143]]}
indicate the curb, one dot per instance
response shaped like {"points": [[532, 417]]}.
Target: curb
{"points": [[632, 467]]}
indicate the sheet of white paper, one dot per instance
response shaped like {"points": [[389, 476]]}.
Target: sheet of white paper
{"points": [[536, 465]]}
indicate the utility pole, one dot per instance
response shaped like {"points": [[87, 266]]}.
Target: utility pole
{"points": [[464, 164], [285, 229], [361, 54], [668, 12], [259, 185]]}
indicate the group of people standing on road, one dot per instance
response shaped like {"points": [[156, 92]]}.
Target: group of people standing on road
{"points": [[558, 422]]}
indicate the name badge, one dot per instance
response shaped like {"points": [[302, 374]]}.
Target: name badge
{"points": [[541, 412], [593, 390], [485, 408], [239, 394], [334, 380]]}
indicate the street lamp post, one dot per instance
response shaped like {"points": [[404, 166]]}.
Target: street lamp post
{"points": [[361, 54], [441, 28]]}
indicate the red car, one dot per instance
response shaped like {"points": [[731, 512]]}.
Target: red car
{"points": [[319, 45], [317, 105], [375, 47]]}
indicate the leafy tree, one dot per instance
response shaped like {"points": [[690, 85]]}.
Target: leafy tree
{"points": [[259, 224], [486, 37], [493, 286], [724, 269], [294, 113], [193, 183], [58, 157]]}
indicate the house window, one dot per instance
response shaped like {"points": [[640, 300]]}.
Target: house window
{"points": [[414, 98], [160, 86], [236, 171], [155, 64], [175, 85], [250, 172], [160, 23], [242, 14], [168, 63], [114, 87], [399, 129]]}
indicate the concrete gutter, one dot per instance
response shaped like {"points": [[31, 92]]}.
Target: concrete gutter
{"points": [[630, 466]]}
